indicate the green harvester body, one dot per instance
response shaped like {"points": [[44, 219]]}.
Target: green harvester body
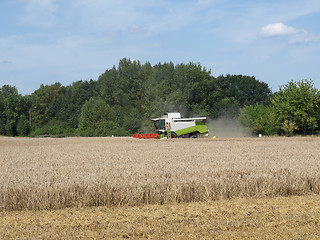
{"points": [[172, 125]]}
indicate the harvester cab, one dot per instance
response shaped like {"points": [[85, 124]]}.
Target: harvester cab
{"points": [[172, 125]]}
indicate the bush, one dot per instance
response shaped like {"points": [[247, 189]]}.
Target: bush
{"points": [[261, 119], [23, 127], [97, 119], [298, 104], [54, 128], [11, 128], [39, 131], [2, 127]]}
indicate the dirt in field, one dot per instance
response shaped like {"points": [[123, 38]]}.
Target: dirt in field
{"points": [[271, 218]]}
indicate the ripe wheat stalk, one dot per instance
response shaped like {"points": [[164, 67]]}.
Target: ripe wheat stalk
{"points": [[78, 172]]}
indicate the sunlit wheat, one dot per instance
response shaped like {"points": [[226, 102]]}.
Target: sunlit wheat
{"points": [[77, 172]]}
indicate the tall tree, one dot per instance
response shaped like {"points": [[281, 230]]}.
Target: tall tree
{"points": [[245, 89], [12, 106], [41, 99], [66, 107], [298, 103], [260, 118], [135, 93], [97, 119]]}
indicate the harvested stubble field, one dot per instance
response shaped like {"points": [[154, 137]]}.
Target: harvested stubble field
{"points": [[294, 217], [47, 174]]}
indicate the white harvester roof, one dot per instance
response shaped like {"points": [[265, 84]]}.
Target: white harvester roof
{"points": [[176, 117], [171, 115]]}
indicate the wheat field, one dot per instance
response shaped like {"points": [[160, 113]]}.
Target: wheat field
{"points": [[49, 173]]}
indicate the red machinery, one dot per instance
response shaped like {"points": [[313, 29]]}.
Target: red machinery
{"points": [[147, 136]]}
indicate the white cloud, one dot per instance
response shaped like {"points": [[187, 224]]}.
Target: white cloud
{"points": [[304, 37], [295, 35], [277, 29]]}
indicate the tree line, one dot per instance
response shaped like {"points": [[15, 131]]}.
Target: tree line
{"points": [[124, 98]]}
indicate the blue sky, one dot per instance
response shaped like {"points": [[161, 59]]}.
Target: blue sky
{"points": [[48, 41]]}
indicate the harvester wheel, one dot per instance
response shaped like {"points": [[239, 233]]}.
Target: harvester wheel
{"points": [[194, 136]]}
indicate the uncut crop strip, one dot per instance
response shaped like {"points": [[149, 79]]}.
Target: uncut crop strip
{"points": [[77, 172]]}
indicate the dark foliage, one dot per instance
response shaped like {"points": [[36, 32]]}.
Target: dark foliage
{"points": [[124, 99]]}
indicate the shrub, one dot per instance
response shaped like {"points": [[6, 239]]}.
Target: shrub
{"points": [[23, 127], [261, 119]]}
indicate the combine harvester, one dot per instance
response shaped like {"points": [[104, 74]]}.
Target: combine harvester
{"points": [[171, 125]]}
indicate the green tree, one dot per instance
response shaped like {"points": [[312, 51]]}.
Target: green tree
{"points": [[41, 99], [124, 89], [159, 87], [97, 119], [23, 126], [66, 107], [245, 89], [133, 93], [12, 105], [260, 118], [298, 103], [108, 86], [228, 107], [133, 121]]}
